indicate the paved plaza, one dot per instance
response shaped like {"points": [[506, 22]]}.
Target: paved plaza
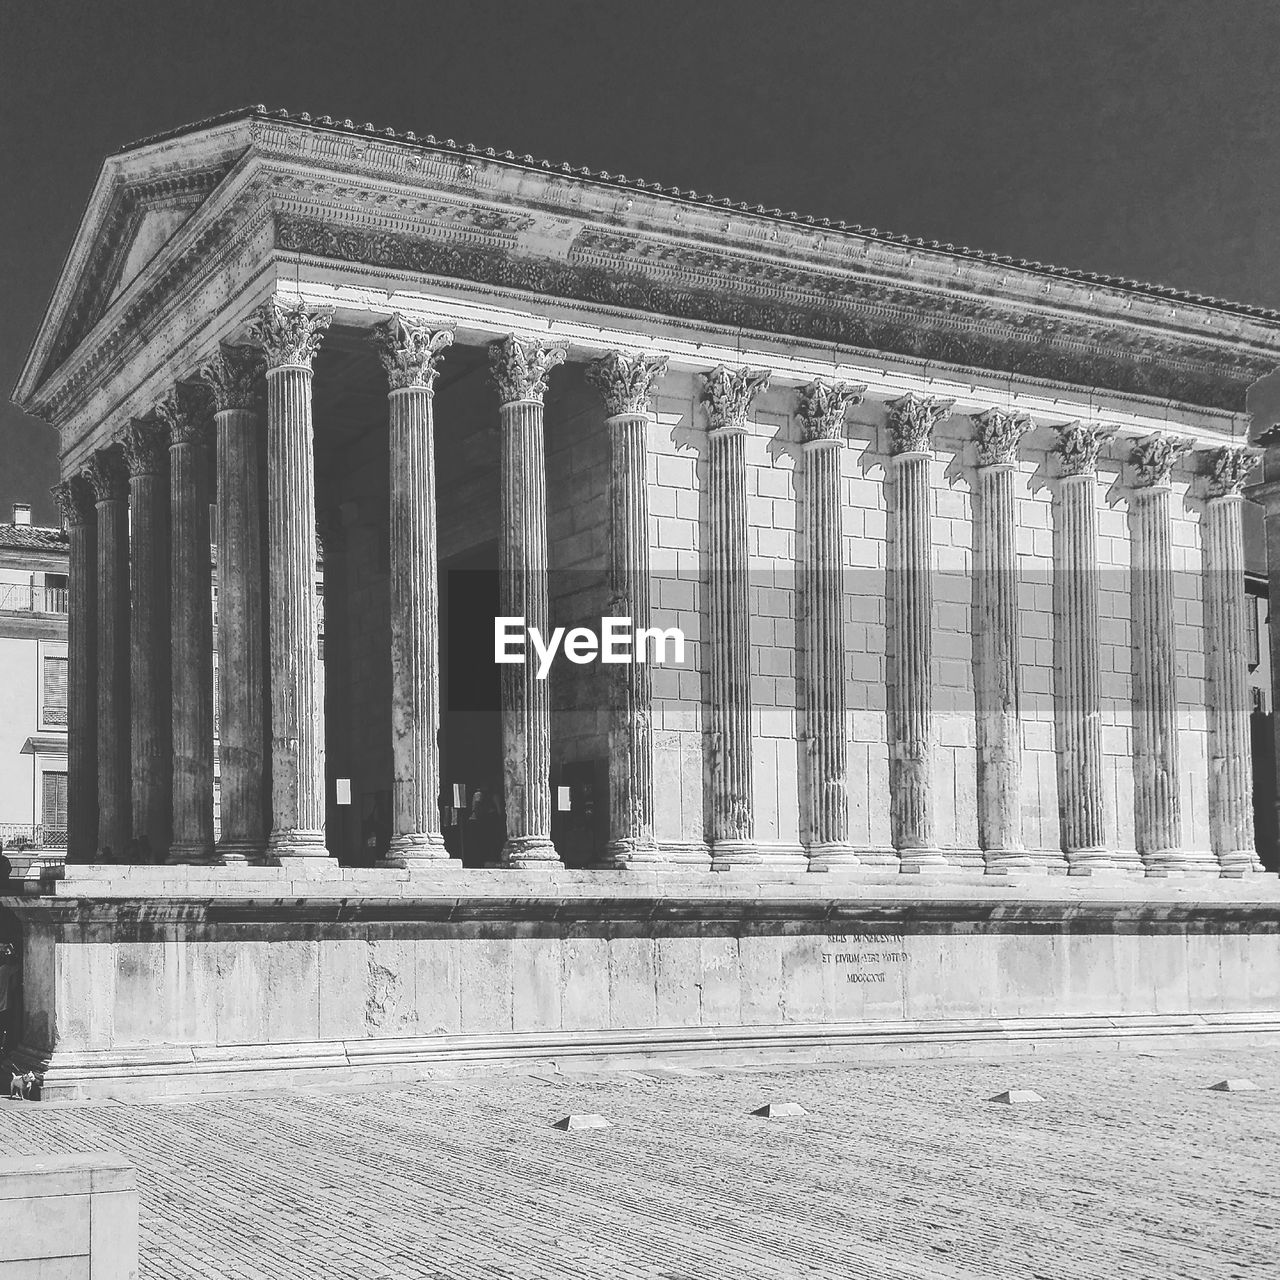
{"points": [[1130, 1167]]}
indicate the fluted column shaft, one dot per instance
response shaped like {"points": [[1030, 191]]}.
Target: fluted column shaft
{"points": [[826, 700], [729, 611], [911, 694], [631, 838], [415, 631], [150, 724], [191, 603], [1080, 701], [526, 702], [1226, 647], [1158, 819], [297, 716], [241, 639], [996, 636], [76, 503], [115, 819]]}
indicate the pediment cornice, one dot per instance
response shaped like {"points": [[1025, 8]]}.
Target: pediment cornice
{"points": [[386, 205]]}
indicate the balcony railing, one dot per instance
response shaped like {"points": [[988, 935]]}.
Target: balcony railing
{"points": [[20, 836], [18, 597]]}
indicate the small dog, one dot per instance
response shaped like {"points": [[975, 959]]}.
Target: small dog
{"points": [[21, 1085]]}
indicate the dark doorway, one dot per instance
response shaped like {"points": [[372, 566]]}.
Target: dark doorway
{"points": [[1265, 826], [471, 712]]}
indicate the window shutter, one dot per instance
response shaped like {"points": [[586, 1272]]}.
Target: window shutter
{"points": [[55, 690], [53, 808]]}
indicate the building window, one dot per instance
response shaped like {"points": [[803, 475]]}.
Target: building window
{"points": [[53, 803], [55, 691]]}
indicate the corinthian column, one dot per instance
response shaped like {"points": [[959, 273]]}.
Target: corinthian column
{"points": [[625, 383], [520, 372], [1226, 648], [823, 406], [410, 354], [75, 502], [290, 336], [727, 396], [911, 423], [234, 379], [1079, 700], [146, 454], [1157, 805], [110, 483], [996, 637], [184, 413]]}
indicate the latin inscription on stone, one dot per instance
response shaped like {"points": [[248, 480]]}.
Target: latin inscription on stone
{"points": [[865, 957]]}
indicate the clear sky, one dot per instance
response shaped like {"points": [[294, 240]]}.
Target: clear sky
{"points": [[1132, 137]]}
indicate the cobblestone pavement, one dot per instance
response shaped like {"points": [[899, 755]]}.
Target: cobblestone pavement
{"points": [[1129, 1168]]}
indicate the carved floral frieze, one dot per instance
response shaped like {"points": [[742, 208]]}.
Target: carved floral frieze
{"points": [[626, 382]]}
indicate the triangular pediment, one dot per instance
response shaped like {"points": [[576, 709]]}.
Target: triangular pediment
{"points": [[155, 227]]}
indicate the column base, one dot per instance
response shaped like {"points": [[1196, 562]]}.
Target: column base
{"points": [[633, 855], [1239, 863], [834, 855], [289, 843], [923, 860], [1101, 862], [1171, 863], [195, 854], [729, 855], [529, 852], [232, 853], [422, 849]]}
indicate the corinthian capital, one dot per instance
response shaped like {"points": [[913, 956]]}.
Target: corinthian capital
{"points": [[999, 434], [519, 369], [289, 336], [232, 377], [823, 406], [410, 352], [912, 419], [625, 382], [1154, 458], [183, 413], [145, 446], [1229, 470], [74, 499], [106, 474], [728, 394], [1078, 447]]}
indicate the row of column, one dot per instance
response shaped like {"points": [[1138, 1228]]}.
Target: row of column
{"points": [[141, 656]]}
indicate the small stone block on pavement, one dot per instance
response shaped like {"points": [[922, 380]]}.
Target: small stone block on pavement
{"points": [[1233, 1086], [1016, 1096], [582, 1122], [775, 1110]]}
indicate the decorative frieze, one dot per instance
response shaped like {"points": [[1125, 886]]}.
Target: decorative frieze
{"points": [[519, 368]]}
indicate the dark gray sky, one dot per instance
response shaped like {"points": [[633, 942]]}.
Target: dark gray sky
{"points": [[1134, 137]]}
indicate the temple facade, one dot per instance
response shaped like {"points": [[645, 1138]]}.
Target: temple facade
{"points": [[953, 542]]}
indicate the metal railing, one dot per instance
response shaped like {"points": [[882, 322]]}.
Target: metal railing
{"points": [[20, 836], [19, 597]]}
